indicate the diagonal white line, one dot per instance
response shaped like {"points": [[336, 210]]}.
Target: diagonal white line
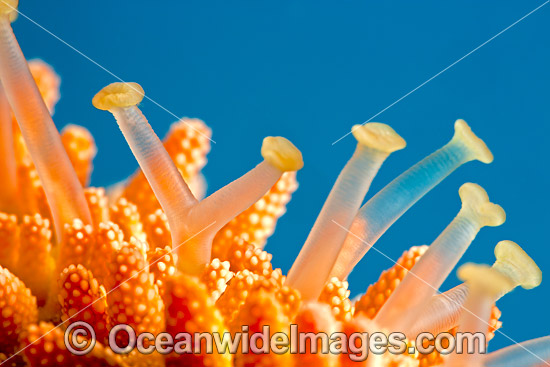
{"points": [[102, 67], [436, 290], [106, 294], [447, 68]]}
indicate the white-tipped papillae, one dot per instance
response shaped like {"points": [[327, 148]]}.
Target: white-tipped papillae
{"points": [[384, 208], [63, 190], [8, 183], [311, 269], [424, 279], [531, 353]]}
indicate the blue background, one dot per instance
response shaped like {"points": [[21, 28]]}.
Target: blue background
{"points": [[309, 70]]}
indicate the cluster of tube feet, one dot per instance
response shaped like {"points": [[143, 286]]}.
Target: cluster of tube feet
{"points": [[155, 255]]}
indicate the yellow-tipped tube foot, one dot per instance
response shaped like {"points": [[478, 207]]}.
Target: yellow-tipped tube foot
{"points": [[378, 136], [475, 199], [8, 6], [514, 263], [485, 278], [464, 133], [118, 95], [312, 268], [282, 154]]}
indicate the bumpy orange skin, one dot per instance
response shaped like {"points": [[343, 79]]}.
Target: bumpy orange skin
{"points": [[108, 240], [243, 255], [245, 283], [257, 223], [260, 309], [216, 275], [162, 264], [45, 347], [36, 265], [78, 239], [9, 241], [190, 309], [82, 299], [336, 295], [157, 229], [18, 310], [378, 293], [132, 296], [126, 215], [98, 204]]}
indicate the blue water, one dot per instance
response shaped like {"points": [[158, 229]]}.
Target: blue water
{"points": [[308, 71]]}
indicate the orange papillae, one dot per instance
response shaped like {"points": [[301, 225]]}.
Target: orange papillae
{"points": [[162, 264], [236, 293], [125, 214], [83, 299], [98, 204], [46, 348], [81, 148], [60, 182], [9, 241], [377, 293], [260, 309], [245, 283], [243, 255], [315, 317], [257, 223], [290, 299], [336, 295], [35, 250], [188, 144], [190, 309], [79, 240], [216, 275], [107, 240], [157, 229], [132, 296], [17, 310]]}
